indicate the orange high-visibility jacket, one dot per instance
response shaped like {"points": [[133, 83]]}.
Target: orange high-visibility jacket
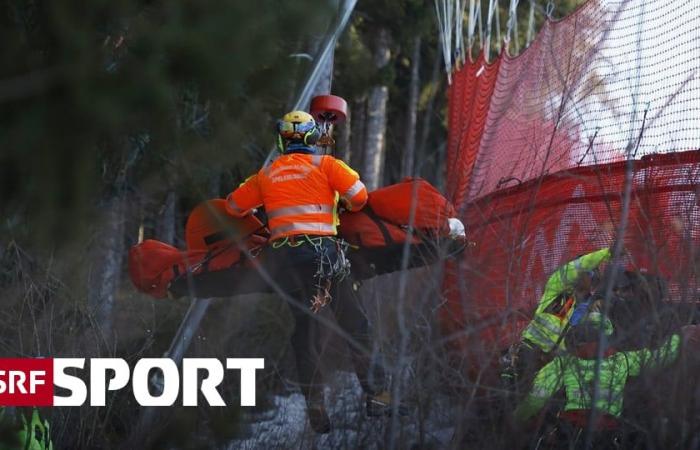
{"points": [[300, 193]]}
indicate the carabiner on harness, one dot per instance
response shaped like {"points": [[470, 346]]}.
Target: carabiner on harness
{"points": [[328, 270]]}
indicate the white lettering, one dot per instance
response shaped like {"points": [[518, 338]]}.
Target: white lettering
{"points": [[165, 385], [17, 379], [248, 367], [215, 372], [98, 375], [34, 380], [73, 384], [171, 382]]}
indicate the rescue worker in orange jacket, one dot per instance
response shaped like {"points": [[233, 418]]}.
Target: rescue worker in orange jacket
{"points": [[300, 192]]}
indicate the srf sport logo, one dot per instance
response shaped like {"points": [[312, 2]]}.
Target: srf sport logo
{"points": [[34, 382]]}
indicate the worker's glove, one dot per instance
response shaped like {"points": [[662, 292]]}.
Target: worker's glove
{"points": [[457, 230], [580, 311]]}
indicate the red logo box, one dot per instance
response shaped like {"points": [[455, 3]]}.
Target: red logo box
{"points": [[26, 381]]}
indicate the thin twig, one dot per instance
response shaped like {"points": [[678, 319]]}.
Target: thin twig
{"points": [[612, 274]]}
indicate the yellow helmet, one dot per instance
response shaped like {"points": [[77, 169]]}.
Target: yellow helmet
{"points": [[299, 127]]}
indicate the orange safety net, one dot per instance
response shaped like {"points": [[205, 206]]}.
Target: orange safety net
{"points": [[536, 159]]}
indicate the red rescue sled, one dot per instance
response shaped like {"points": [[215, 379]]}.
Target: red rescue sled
{"points": [[215, 263]]}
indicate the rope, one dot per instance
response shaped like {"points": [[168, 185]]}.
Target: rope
{"points": [[459, 31], [515, 29], [444, 18], [497, 19], [457, 28], [481, 25], [531, 23], [471, 22], [512, 25], [487, 38], [450, 17], [328, 270], [448, 38], [550, 9]]}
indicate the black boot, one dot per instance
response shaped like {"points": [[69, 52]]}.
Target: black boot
{"points": [[316, 410], [318, 418]]}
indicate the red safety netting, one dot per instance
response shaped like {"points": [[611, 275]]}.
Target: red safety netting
{"points": [[536, 158], [470, 96], [523, 233]]}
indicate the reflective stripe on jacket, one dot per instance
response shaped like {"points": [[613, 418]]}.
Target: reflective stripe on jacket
{"points": [[300, 193], [545, 328]]}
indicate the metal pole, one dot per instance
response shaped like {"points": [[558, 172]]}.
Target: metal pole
{"points": [[190, 324]]}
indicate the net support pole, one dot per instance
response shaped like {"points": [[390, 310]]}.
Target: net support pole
{"points": [[181, 342], [190, 324]]}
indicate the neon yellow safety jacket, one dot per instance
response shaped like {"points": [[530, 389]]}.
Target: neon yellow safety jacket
{"points": [[32, 434], [577, 376], [545, 328]]}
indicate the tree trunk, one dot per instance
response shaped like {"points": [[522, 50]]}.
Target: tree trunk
{"points": [[409, 148], [108, 254], [427, 121], [214, 188], [325, 79], [108, 250], [342, 148], [167, 224], [375, 144], [357, 134]]}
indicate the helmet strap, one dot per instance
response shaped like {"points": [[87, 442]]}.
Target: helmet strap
{"points": [[280, 144]]}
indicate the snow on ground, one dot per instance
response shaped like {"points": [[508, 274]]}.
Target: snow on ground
{"points": [[286, 427]]}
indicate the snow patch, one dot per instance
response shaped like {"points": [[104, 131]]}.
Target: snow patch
{"points": [[286, 425]]}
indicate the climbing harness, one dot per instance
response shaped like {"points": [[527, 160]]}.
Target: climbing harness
{"points": [[327, 269]]}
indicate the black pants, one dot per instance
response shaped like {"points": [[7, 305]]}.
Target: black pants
{"points": [[294, 268], [524, 360], [572, 437]]}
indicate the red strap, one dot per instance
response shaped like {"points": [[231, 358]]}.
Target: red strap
{"points": [[579, 418], [589, 350]]}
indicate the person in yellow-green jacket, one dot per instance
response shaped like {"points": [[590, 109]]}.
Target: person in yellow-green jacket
{"points": [[575, 372], [571, 283], [569, 287], [23, 428]]}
